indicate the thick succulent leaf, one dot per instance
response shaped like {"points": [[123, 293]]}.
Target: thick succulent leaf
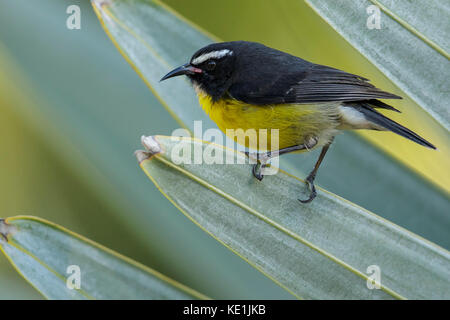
{"points": [[415, 54], [45, 254], [321, 250], [154, 40]]}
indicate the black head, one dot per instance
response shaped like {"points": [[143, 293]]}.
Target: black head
{"points": [[211, 69], [216, 67]]}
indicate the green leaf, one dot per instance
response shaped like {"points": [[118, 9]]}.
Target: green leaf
{"points": [[411, 47], [154, 39], [317, 251], [42, 253]]}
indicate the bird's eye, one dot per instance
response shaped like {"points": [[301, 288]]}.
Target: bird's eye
{"points": [[210, 65]]}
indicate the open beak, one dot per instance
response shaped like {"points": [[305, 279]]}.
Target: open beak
{"points": [[183, 70]]}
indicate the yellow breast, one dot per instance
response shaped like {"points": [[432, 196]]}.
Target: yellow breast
{"points": [[294, 122]]}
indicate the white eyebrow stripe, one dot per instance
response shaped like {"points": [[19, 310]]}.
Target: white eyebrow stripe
{"points": [[213, 54]]}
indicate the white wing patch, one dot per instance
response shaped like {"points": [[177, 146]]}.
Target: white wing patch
{"points": [[213, 54]]}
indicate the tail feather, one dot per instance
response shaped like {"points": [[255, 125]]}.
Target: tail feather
{"points": [[380, 120]]}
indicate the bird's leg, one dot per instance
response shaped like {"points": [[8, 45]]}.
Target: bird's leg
{"points": [[263, 158], [310, 179]]}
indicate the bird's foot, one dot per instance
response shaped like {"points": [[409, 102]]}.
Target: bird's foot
{"points": [[310, 183], [261, 159], [257, 171]]}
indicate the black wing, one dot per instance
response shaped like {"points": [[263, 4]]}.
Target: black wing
{"points": [[312, 83]]}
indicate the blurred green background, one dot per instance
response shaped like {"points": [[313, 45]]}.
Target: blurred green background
{"points": [[71, 114]]}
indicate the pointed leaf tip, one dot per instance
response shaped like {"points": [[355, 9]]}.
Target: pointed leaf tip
{"points": [[150, 144], [141, 155], [5, 229]]}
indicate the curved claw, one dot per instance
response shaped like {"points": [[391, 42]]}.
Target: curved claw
{"points": [[257, 171], [310, 182]]}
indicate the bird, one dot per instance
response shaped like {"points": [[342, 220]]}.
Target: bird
{"points": [[247, 85]]}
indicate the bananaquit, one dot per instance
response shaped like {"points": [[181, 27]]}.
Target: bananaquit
{"points": [[246, 85]]}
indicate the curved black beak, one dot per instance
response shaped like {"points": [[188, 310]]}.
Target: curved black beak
{"points": [[183, 70]]}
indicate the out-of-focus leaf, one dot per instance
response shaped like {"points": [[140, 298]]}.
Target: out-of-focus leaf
{"points": [[47, 256], [414, 54], [324, 250], [153, 39]]}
